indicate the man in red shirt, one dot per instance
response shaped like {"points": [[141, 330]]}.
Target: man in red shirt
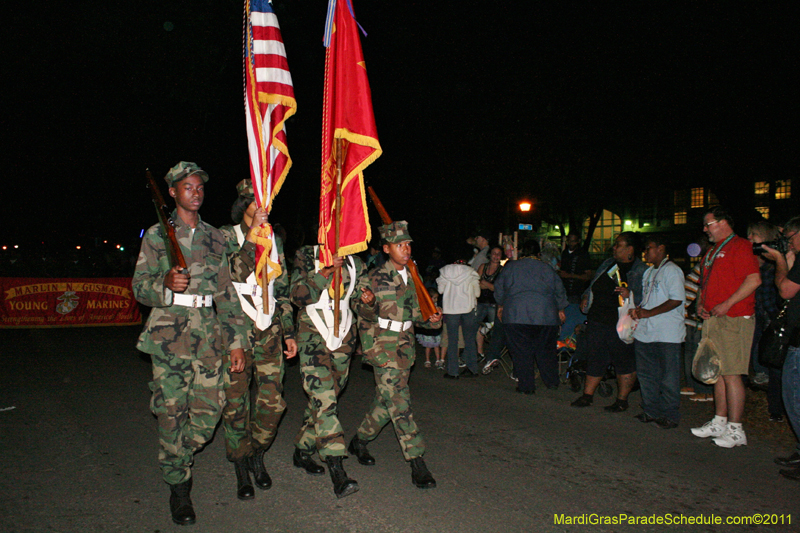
{"points": [[729, 278]]}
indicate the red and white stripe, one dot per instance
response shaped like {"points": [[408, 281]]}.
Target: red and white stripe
{"points": [[269, 101]]}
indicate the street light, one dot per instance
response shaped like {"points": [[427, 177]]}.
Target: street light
{"points": [[524, 206]]}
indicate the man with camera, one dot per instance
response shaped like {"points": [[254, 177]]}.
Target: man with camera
{"points": [[787, 279], [726, 303]]}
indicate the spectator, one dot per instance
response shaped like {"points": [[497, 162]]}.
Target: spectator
{"points": [[487, 306], [375, 258], [533, 300], [549, 254], [459, 286], [658, 336], [431, 339], [696, 390], [576, 271], [767, 309], [481, 242], [787, 279], [601, 302], [729, 278]]}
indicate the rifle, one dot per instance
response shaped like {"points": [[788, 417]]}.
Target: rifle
{"points": [[167, 225], [426, 304]]}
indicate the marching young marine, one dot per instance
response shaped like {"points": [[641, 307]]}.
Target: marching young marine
{"points": [[325, 358], [387, 336], [196, 319], [250, 425]]}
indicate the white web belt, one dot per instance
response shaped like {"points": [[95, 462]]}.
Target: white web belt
{"points": [[394, 325], [192, 300]]}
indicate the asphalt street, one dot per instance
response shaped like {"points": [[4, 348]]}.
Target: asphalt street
{"points": [[78, 453]]}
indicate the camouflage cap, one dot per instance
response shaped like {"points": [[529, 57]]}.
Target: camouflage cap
{"points": [[395, 233], [182, 170], [246, 197]]}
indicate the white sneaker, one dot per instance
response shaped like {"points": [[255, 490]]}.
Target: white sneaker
{"points": [[731, 438], [709, 429]]}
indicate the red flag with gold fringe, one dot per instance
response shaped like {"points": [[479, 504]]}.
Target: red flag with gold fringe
{"points": [[347, 119]]}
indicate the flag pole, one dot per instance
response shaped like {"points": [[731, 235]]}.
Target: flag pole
{"points": [[264, 280], [337, 272]]}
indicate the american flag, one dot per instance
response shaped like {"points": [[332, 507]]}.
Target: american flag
{"points": [[269, 102]]}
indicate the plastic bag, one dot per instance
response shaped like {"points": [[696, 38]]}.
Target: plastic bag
{"points": [[626, 324], [705, 365]]}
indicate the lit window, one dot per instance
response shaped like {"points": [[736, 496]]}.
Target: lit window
{"points": [[698, 197], [680, 217], [761, 188], [764, 211], [783, 189]]}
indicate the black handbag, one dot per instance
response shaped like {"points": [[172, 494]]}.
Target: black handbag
{"points": [[774, 342]]}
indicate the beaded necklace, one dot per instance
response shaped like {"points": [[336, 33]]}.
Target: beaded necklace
{"points": [[708, 262]]}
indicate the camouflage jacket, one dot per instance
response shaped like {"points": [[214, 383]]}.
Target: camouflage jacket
{"points": [[307, 285], [242, 260], [171, 329], [394, 300]]}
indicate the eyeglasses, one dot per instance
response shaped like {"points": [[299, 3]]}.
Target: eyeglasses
{"points": [[790, 237], [709, 224]]}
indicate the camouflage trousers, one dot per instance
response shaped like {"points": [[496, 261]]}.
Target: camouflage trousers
{"points": [[324, 376], [187, 401], [251, 422], [393, 402]]}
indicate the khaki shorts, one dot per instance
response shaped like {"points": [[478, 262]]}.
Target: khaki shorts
{"points": [[733, 338]]}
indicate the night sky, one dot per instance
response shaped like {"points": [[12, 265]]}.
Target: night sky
{"points": [[476, 104]]}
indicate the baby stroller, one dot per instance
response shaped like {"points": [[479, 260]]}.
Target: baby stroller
{"points": [[574, 374]]}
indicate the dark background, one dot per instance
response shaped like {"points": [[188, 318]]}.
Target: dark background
{"points": [[477, 105]]}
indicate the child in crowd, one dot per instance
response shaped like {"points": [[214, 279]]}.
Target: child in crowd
{"points": [[432, 339]]}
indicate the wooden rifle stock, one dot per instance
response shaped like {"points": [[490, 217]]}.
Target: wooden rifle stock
{"points": [[167, 225], [426, 305]]}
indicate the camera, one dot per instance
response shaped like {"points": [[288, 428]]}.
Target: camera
{"points": [[781, 244]]}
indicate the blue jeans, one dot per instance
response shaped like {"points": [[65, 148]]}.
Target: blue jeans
{"points": [[469, 327], [486, 313], [791, 388], [658, 366], [774, 400], [496, 342]]}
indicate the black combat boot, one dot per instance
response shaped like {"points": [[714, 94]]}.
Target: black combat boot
{"points": [[342, 485], [420, 475], [303, 460], [260, 475], [358, 448], [180, 503], [244, 489]]}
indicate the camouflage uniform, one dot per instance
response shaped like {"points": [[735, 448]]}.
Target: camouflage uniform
{"points": [[247, 430], [324, 371], [391, 353], [186, 343]]}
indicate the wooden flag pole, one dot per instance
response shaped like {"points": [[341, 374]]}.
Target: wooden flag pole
{"points": [[264, 284], [337, 272]]}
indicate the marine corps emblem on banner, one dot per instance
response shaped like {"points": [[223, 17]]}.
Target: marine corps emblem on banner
{"points": [[68, 302]]}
